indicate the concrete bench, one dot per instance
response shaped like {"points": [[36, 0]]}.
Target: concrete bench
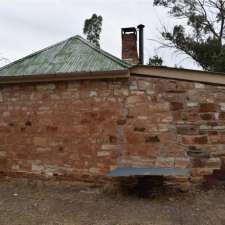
{"points": [[126, 172]]}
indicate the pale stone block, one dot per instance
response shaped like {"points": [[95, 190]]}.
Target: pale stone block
{"points": [[6, 114], [182, 162], [16, 167], [142, 117], [205, 127], [93, 94], [199, 85], [103, 153], [167, 119], [37, 168], [110, 147], [94, 170], [222, 106], [219, 128], [2, 154], [192, 104], [214, 163], [216, 116], [122, 91], [165, 162]]}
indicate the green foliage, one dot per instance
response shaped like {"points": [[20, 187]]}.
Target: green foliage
{"points": [[92, 29], [203, 34], [155, 61], [219, 65]]}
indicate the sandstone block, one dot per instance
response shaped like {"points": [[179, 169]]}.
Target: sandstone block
{"points": [[176, 106], [192, 104], [207, 116], [37, 168], [133, 85], [165, 162], [93, 94], [42, 149], [201, 171], [2, 154], [121, 92], [40, 141], [214, 163], [135, 99], [207, 107], [108, 147], [201, 140], [182, 162], [199, 86], [187, 129], [103, 153], [222, 106], [94, 170], [16, 167], [143, 84]]}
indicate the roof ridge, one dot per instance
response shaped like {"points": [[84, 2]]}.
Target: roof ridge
{"points": [[108, 55]]}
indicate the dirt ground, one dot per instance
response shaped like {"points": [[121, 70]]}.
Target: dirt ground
{"points": [[26, 202]]}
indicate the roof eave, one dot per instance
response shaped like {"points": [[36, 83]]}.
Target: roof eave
{"points": [[178, 74], [64, 77]]}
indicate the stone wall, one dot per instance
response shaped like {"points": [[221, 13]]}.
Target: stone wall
{"points": [[91, 127]]}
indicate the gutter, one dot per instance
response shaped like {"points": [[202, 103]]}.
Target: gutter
{"points": [[64, 77]]}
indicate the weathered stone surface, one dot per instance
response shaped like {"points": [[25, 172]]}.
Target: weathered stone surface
{"points": [[165, 162], [214, 163], [103, 153], [2, 154], [143, 84], [90, 127], [182, 162], [135, 99], [1, 97], [207, 107], [40, 141], [176, 106], [110, 147], [199, 85]]}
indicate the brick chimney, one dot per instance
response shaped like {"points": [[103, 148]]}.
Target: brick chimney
{"points": [[129, 45]]}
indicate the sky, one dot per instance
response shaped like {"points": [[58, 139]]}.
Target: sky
{"points": [[31, 25]]}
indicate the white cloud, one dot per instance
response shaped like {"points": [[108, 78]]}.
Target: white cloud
{"points": [[30, 25]]}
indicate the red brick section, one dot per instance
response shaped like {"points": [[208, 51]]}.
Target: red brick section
{"points": [[87, 128], [129, 48]]}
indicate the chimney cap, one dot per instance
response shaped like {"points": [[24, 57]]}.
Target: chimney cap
{"points": [[141, 26], [129, 29]]}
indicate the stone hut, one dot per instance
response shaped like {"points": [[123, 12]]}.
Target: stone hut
{"points": [[73, 110]]}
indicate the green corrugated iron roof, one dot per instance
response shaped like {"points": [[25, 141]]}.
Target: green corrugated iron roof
{"points": [[70, 56]]}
